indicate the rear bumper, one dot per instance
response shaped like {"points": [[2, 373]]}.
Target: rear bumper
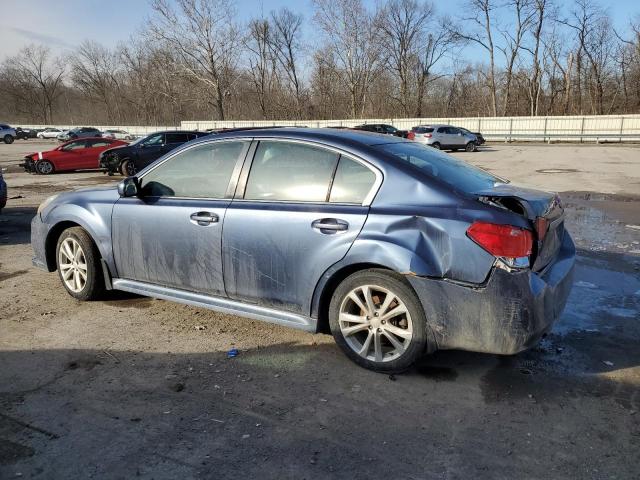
{"points": [[507, 315]]}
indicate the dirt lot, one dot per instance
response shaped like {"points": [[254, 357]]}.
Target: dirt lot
{"points": [[138, 387]]}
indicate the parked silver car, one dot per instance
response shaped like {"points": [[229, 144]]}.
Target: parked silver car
{"points": [[117, 134], [444, 137], [7, 133]]}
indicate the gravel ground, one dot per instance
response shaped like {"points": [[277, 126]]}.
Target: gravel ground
{"points": [[133, 386]]}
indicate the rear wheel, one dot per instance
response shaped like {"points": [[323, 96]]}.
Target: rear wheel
{"points": [[378, 321], [44, 167], [471, 147], [8, 139], [436, 145], [78, 263]]}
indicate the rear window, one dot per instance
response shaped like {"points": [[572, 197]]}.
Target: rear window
{"points": [[450, 170], [423, 129]]}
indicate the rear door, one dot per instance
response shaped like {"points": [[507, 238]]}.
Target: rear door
{"points": [[171, 234], [298, 209], [93, 148]]}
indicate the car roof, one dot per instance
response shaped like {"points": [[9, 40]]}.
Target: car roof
{"points": [[344, 137]]}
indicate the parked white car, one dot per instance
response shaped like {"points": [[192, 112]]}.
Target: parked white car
{"points": [[117, 134], [50, 132]]}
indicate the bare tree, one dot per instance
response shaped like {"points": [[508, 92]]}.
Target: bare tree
{"points": [[285, 44], [482, 34], [351, 37], [35, 80], [205, 37], [261, 61]]}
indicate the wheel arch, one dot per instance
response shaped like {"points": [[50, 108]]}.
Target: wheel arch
{"points": [[328, 284]]}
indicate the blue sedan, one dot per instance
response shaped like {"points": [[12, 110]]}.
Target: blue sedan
{"points": [[395, 248]]}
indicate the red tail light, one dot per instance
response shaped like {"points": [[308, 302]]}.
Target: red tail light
{"points": [[542, 225], [411, 135], [427, 135], [501, 240]]}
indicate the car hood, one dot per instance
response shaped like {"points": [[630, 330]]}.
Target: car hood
{"points": [[115, 149]]}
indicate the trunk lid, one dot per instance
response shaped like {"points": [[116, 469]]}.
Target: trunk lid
{"points": [[544, 211]]}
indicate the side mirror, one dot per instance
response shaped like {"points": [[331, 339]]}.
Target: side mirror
{"points": [[128, 187]]}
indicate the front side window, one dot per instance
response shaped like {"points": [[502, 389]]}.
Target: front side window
{"points": [[203, 171], [154, 140], [352, 182], [287, 171], [446, 168], [74, 145]]}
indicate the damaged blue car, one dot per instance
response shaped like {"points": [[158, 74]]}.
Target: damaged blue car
{"points": [[395, 248]]}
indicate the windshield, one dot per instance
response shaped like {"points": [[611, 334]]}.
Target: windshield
{"points": [[446, 168]]}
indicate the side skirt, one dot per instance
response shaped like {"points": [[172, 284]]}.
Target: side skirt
{"points": [[223, 305]]}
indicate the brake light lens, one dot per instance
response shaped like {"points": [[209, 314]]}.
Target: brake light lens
{"points": [[542, 225], [502, 240]]}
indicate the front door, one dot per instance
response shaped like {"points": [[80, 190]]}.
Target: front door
{"points": [[171, 234], [299, 212]]}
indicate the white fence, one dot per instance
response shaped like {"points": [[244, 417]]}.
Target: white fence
{"points": [[598, 128]]}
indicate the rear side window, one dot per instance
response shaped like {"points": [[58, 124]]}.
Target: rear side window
{"points": [[283, 171], [450, 170], [352, 182], [98, 143], [199, 172], [423, 129], [177, 137]]}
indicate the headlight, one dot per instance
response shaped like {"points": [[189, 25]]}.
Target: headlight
{"points": [[44, 204]]}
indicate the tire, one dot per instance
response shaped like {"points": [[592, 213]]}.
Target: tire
{"points": [[93, 286], [385, 355], [44, 167], [8, 139], [128, 168], [471, 147], [436, 145]]}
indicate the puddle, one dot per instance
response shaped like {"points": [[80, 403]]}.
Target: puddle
{"points": [[600, 222]]}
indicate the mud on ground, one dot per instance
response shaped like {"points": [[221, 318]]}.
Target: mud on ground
{"points": [[136, 387]]}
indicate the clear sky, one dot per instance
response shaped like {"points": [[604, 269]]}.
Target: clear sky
{"points": [[64, 23]]}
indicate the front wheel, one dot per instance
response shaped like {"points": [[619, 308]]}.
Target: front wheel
{"points": [[8, 139], [128, 168], [471, 147], [436, 145], [378, 321], [44, 167], [79, 264]]}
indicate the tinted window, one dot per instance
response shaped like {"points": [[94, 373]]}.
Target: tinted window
{"points": [[457, 173], [290, 172], [177, 137], [423, 129], [156, 139], [98, 143], [74, 145], [199, 172], [352, 182]]}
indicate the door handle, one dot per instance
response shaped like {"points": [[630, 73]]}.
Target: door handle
{"points": [[330, 225], [203, 218]]}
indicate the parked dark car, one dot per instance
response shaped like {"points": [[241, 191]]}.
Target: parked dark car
{"points": [[479, 137], [3, 192], [26, 133], [381, 128], [81, 132], [134, 157], [396, 248]]}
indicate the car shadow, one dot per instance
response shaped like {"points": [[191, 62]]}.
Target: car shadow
{"points": [[15, 225]]}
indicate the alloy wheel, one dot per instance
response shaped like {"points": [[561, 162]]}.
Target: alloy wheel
{"points": [[375, 323], [45, 167], [72, 264]]}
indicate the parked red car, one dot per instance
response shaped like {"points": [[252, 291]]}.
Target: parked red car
{"points": [[77, 154]]}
